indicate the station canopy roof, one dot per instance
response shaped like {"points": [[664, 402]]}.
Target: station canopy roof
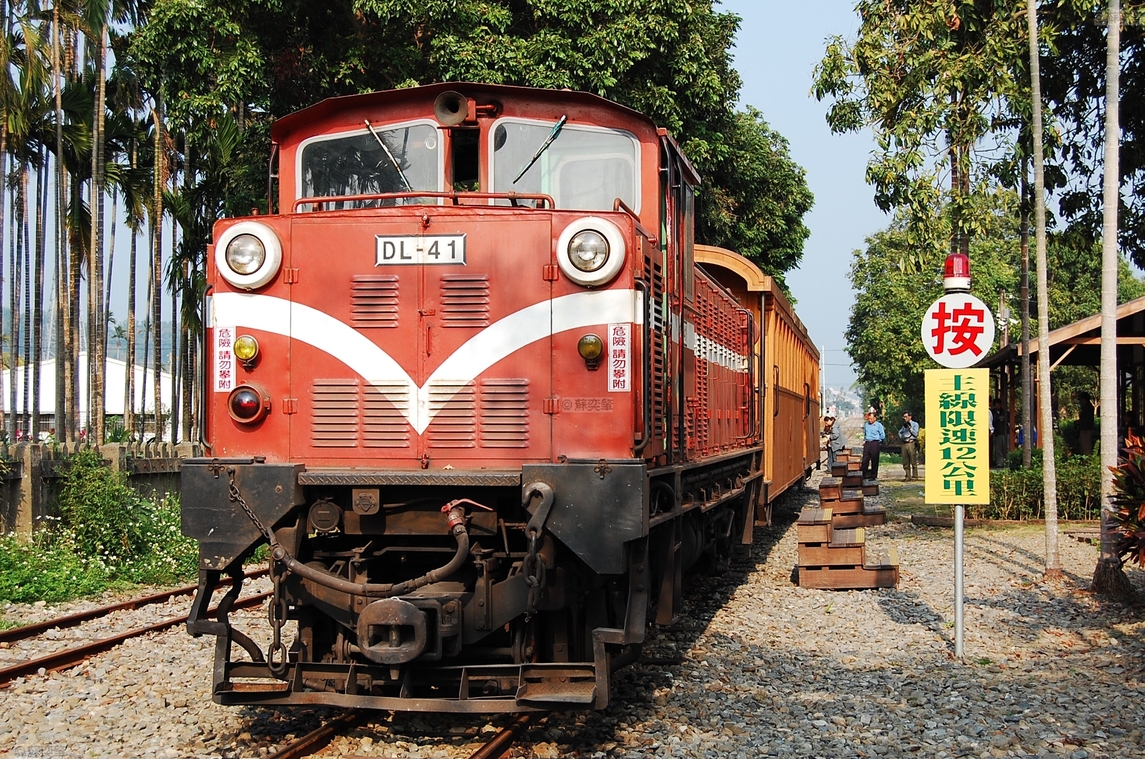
{"points": [[1079, 344]]}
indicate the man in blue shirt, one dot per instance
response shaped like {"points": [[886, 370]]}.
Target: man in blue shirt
{"points": [[908, 434], [873, 436]]}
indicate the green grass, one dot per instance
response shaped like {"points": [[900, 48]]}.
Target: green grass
{"points": [[106, 538]]}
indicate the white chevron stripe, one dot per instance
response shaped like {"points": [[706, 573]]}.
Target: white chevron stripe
{"points": [[497, 341]]}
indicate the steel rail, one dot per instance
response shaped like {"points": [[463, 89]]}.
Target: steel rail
{"points": [[71, 620], [70, 657], [318, 739], [500, 743]]}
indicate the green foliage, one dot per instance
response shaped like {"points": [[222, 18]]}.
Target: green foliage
{"points": [[104, 518], [932, 80], [669, 59], [883, 336], [47, 569], [1073, 79], [114, 432], [1016, 493], [106, 537]]}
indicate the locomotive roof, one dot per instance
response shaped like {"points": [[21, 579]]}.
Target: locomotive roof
{"points": [[425, 94]]}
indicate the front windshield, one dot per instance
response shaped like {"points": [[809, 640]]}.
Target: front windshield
{"points": [[357, 164], [584, 168]]}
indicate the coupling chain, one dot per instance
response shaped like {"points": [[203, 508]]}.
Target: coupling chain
{"points": [[276, 659], [237, 497], [277, 656], [541, 496]]}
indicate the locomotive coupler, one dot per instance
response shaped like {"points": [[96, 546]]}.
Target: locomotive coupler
{"points": [[538, 499]]}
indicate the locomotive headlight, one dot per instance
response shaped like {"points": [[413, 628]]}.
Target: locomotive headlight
{"points": [[245, 254], [248, 404], [248, 254], [590, 251]]}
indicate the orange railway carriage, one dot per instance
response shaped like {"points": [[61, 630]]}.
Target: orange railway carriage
{"points": [[469, 385], [789, 373]]}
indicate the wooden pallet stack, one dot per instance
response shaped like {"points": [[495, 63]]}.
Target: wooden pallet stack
{"points": [[833, 539]]}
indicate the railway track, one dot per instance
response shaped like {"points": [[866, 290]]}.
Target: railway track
{"points": [[316, 740], [70, 657], [24, 632]]}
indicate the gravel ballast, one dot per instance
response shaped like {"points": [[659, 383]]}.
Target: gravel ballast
{"points": [[755, 667]]}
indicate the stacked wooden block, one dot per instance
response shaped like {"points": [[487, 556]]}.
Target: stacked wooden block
{"points": [[833, 539]]}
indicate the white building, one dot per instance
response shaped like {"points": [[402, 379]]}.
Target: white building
{"points": [[114, 383]]}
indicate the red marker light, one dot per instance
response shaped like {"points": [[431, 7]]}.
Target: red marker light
{"points": [[247, 404]]}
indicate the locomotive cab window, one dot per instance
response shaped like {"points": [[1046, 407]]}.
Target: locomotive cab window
{"points": [[583, 168], [372, 161]]}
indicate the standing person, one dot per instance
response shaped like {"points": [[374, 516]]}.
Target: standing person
{"points": [[873, 436], [836, 440], [908, 434]]}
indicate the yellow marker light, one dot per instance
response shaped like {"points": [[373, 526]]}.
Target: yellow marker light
{"points": [[590, 347], [246, 348]]}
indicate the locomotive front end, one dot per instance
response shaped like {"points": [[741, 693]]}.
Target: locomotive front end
{"points": [[429, 392]]}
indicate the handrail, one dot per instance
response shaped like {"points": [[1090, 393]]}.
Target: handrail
{"points": [[512, 197], [646, 360], [620, 205]]}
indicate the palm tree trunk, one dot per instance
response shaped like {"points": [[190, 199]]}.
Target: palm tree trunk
{"points": [[1108, 576], [26, 306], [97, 345], [72, 326], [160, 180], [60, 418], [1027, 387], [129, 383], [174, 355], [108, 275], [1046, 428], [38, 304]]}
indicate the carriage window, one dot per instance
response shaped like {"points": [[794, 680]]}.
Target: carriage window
{"points": [[371, 162], [583, 168]]}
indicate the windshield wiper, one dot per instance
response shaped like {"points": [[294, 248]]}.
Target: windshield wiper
{"points": [[544, 146], [393, 160]]}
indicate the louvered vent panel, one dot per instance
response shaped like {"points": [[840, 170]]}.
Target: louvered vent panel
{"points": [[383, 424], [505, 413], [465, 300], [334, 419], [654, 272], [374, 301], [454, 424]]}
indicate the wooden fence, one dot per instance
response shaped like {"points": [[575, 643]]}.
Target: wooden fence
{"points": [[31, 475]]}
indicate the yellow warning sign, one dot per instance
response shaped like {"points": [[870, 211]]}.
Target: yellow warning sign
{"points": [[957, 436]]}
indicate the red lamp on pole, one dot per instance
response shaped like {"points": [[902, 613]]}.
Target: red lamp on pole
{"points": [[956, 273]]}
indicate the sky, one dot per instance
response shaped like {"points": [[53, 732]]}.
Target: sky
{"points": [[778, 45]]}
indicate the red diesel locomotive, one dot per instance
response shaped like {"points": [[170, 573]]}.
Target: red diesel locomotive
{"points": [[475, 391]]}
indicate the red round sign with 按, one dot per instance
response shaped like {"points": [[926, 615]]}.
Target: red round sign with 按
{"points": [[958, 330]]}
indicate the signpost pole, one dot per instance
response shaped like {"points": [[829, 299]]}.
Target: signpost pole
{"points": [[959, 524], [958, 331]]}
